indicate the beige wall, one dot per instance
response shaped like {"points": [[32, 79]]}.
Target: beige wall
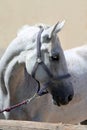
{"points": [[15, 13]]}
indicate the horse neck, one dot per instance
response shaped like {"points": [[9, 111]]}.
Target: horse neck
{"points": [[16, 78], [21, 84]]}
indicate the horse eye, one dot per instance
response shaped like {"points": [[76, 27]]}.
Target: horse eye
{"points": [[47, 39], [54, 58]]}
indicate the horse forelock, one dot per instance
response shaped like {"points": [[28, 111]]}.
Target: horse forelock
{"points": [[41, 25]]}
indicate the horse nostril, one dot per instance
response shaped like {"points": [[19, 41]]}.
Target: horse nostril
{"points": [[70, 98]]}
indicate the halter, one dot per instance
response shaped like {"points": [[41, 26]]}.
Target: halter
{"points": [[43, 90]]}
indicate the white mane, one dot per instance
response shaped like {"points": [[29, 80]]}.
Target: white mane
{"points": [[23, 42]]}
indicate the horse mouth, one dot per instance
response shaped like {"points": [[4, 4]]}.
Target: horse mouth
{"points": [[59, 104], [55, 103], [62, 102]]}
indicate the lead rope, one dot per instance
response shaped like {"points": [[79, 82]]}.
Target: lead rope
{"points": [[27, 101]]}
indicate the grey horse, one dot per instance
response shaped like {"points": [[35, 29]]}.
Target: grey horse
{"points": [[42, 109], [35, 62]]}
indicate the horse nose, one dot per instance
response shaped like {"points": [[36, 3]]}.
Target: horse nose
{"points": [[62, 100]]}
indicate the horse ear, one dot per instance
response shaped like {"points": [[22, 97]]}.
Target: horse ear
{"points": [[53, 29], [58, 26]]}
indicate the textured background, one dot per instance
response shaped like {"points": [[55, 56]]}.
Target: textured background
{"points": [[16, 13]]}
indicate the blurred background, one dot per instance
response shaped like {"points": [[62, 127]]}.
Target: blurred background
{"points": [[16, 13]]}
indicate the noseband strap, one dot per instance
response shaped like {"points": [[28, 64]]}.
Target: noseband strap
{"points": [[39, 61]]}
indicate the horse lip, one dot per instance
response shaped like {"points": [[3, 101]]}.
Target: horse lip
{"points": [[59, 104], [55, 103]]}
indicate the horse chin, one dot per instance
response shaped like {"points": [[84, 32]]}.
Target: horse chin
{"points": [[58, 103], [55, 103]]}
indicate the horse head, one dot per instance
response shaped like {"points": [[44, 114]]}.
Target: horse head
{"points": [[51, 70]]}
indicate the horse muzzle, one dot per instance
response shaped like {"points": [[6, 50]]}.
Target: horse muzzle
{"points": [[62, 94], [61, 101]]}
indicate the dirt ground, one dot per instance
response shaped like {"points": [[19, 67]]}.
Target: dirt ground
{"points": [[15, 14]]}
